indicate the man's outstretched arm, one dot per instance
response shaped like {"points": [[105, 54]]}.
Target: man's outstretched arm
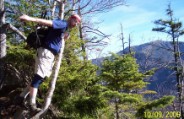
{"points": [[36, 20]]}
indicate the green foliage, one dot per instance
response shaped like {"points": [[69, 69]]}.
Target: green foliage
{"points": [[170, 26], [19, 64], [15, 8], [121, 76], [121, 73], [17, 54], [155, 105], [123, 97]]}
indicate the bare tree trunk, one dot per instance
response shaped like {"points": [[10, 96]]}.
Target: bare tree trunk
{"points": [[180, 82], [129, 44], [122, 38], [182, 94], [176, 68], [54, 8], [81, 36], [80, 29], [2, 41], [116, 109], [2, 31], [55, 73]]}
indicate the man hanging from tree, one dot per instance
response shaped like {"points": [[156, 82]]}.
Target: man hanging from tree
{"points": [[45, 55]]}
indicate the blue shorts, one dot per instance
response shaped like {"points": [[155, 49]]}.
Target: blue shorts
{"points": [[37, 80]]}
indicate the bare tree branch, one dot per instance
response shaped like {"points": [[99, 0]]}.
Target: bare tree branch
{"points": [[101, 6], [17, 31]]}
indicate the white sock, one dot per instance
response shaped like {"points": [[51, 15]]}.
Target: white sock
{"points": [[33, 93]]}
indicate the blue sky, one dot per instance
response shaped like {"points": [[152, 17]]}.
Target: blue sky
{"points": [[137, 20]]}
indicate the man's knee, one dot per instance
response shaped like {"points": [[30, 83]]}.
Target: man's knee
{"points": [[37, 81]]}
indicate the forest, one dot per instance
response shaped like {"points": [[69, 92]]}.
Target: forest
{"points": [[115, 89]]}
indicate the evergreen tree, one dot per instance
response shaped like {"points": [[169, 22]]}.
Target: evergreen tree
{"points": [[173, 28], [126, 87], [120, 74]]}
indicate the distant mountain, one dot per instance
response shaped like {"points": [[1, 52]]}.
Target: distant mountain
{"points": [[157, 54]]}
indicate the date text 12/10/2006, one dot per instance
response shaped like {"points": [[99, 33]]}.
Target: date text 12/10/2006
{"points": [[162, 115]]}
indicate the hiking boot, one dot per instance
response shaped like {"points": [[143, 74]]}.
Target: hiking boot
{"points": [[33, 108]]}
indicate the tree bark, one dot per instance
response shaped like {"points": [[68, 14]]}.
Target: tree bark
{"points": [[2, 41], [81, 36], [116, 109]]}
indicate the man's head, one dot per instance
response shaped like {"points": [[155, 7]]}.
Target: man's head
{"points": [[74, 20]]}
